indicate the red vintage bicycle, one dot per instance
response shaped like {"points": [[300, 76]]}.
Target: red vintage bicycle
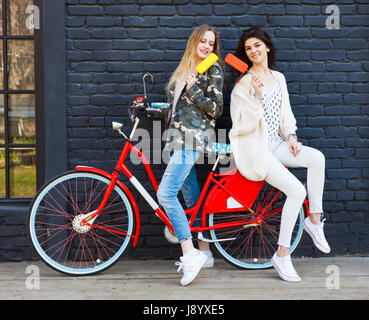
{"points": [[82, 221]]}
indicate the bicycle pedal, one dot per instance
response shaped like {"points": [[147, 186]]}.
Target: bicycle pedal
{"points": [[202, 238], [250, 225], [172, 238]]}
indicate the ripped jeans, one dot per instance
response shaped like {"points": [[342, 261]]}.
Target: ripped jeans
{"points": [[179, 175]]}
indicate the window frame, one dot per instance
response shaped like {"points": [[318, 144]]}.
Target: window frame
{"points": [[50, 95]]}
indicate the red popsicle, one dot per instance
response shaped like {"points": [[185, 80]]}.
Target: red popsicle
{"points": [[236, 63]]}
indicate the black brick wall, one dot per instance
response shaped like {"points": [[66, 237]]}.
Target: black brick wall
{"points": [[110, 43]]}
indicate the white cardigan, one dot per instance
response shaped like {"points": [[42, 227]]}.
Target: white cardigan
{"points": [[249, 133]]}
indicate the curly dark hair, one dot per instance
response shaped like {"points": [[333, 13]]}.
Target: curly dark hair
{"points": [[256, 32]]}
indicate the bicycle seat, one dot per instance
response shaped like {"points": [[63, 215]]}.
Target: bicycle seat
{"points": [[222, 148]]}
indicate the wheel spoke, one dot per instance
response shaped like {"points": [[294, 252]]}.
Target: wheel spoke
{"points": [[59, 238], [257, 239]]}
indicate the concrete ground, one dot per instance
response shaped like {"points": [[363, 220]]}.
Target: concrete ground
{"points": [[322, 278]]}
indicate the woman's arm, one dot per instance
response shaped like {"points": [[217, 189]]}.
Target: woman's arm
{"points": [[289, 122], [246, 110], [211, 102]]}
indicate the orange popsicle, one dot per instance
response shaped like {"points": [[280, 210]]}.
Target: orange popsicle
{"points": [[236, 63]]}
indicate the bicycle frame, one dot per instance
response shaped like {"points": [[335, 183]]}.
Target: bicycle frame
{"points": [[121, 167]]}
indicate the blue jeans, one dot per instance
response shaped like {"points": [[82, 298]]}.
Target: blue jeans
{"points": [[180, 174]]}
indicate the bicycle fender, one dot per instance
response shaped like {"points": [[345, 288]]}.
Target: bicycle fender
{"points": [[237, 193], [125, 189]]}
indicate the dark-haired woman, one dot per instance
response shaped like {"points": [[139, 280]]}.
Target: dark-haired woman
{"points": [[264, 143]]}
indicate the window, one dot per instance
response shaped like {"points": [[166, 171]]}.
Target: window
{"points": [[17, 101]]}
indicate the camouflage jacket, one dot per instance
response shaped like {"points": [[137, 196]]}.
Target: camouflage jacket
{"points": [[193, 121]]}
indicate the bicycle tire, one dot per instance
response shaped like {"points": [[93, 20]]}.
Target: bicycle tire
{"points": [[53, 218], [255, 243]]}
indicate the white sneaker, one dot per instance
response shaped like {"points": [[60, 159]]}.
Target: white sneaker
{"points": [[209, 263], [317, 234], [191, 265], [285, 269]]}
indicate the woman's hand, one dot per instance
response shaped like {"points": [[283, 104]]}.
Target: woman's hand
{"points": [[256, 83], [191, 80], [294, 146]]}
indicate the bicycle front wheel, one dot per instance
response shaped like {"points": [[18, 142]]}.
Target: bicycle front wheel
{"points": [[255, 239], [57, 235]]}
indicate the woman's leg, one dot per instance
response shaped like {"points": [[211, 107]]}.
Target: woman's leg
{"points": [[282, 179], [191, 193], [179, 166], [314, 161]]}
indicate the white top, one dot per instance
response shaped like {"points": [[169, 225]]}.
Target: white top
{"points": [[249, 133], [271, 102]]}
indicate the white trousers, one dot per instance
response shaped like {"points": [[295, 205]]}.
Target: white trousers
{"points": [[281, 178]]}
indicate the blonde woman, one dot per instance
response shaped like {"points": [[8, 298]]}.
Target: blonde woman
{"points": [[264, 142], [196, 102]]}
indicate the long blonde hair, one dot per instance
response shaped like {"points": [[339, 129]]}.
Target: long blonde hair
{"points": [[187, 63]]}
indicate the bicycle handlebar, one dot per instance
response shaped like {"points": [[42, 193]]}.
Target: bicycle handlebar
{"points": [[154, 110]]}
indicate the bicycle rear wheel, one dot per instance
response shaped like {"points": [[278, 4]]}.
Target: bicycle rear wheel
{"points": [[256, 239], [55, 230]]}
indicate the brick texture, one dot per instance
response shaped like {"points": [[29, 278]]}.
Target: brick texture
{"points": [[111, 43]]}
